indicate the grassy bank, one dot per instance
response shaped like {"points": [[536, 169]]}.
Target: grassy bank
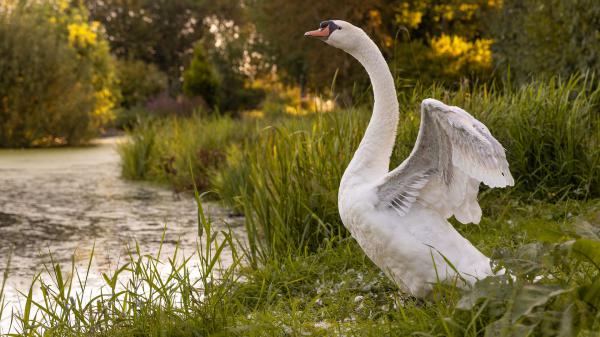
{"points": [[336, 290], [300, 273]]}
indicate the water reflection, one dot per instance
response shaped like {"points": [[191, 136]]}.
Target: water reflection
{"points": [[64, 200]]}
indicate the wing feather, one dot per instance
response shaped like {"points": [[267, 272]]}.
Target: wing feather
{"points": [[449, 139]]}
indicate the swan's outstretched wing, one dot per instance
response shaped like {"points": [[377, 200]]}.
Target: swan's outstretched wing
{"points": [[455, 149]]}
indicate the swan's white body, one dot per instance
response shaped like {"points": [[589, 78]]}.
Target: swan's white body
{"points": [[399, 217]]}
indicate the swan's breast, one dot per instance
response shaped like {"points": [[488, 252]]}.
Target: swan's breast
{"points": [[354, 202]]}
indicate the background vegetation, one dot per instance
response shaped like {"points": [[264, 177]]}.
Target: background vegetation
{"points": [[56, 75], [93, 65]]}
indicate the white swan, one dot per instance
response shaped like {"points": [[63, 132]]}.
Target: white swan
{"points": [[399, 217]]}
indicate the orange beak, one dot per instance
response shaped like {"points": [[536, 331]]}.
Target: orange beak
{"points": [[320, 33]]}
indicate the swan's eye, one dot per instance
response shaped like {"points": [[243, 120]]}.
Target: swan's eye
{"points": [[333, 26]]}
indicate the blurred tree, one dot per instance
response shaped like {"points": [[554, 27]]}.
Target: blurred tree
{"points": [[230, 45], [551, 37], [443, 41], [200, 79], [139, 81], [161, 32], [56, 74]]}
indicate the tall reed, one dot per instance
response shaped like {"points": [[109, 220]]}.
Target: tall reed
{"points": [[286, 179], [149, 294], [161, 150], [290, 174]]}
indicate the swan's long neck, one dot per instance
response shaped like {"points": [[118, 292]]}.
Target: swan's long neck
{"points": [[372, 158]]}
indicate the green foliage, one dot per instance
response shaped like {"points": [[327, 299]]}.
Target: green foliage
{"points": [[200, 79], [159, 32], [56, 75], [426, 41], [138, 82], [142, 296], [137, 154], [165, 150], [290, 191], [438, 41], [301, 61], [535, 37], [230, 62]]}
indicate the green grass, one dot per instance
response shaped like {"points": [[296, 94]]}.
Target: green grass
{"points": [[551, 130], [162, 150]]}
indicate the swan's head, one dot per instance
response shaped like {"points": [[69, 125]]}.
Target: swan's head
{"points": [[338, 33]]}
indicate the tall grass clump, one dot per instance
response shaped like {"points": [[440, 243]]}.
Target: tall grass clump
{"points": [[286, 179], [162, 149], [136, 153]]}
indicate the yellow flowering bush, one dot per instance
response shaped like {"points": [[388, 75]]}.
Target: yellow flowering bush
{"points": [[442, 40], [462, 55], [83, 34], [59, 86], [407, 16]]}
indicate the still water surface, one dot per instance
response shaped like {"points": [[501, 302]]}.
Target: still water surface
{"points": [[64, 201]]}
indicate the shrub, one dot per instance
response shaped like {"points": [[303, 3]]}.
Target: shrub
{"points": [[56, 75], [200, 79], [139, 81]]}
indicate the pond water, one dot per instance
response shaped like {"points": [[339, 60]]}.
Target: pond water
{"points": [[63, 201]]}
